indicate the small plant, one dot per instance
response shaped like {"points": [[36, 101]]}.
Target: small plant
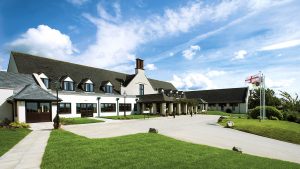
{"points": [[18, 125], [56, 121], [5, 123]]}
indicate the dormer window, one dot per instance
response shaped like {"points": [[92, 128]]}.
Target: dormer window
{"points": [[44, 79], [46, 82], [108, 89], [68, 84], [88, 86]]}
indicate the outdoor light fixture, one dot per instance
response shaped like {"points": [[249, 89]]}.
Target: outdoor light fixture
{"points": [[117, 99], [99, 108]]}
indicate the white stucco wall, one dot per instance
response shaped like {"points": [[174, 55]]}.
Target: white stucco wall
{"points": [[133, 87], [21, 111], [5, 108], [74, 98]]}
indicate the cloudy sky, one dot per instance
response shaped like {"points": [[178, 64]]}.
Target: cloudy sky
{"points": [[200, 44]]}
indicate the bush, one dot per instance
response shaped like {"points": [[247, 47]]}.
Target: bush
{"points": [[228, 111], [291, 116], [4, 122], [19, 125], [270, 111]]}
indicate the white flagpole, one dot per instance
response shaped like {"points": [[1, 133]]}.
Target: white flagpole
{"points": [[260, 98], [264, 97]]}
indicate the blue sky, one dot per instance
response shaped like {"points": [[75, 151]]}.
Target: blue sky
{"points": [[200, 44]]}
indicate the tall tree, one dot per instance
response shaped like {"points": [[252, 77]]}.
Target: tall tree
{"points": [[271, 99], [290, 103]]}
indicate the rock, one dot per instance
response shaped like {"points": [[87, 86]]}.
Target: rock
{"points": [[237, 149], [229, 124], [153, 130], [221, 118]]}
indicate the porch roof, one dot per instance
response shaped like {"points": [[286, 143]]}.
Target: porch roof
{"points": [[160, 97], [33, 92]]}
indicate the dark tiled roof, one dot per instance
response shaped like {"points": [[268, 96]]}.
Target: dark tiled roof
{"points": [[55, 69], [33, 92], [15, 80], [149, 98], [232, 95]]}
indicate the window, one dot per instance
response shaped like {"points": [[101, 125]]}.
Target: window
{"points": [[135, 107], [86, 107], [46, 82], [40, 107], [127, 107], [108, 89], [141, 89], [68, 86], [89, 87], [108, 107], [64, 108]]}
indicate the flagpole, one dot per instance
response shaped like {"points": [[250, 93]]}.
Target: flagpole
{"points": [[264, 96], [260, 98]]}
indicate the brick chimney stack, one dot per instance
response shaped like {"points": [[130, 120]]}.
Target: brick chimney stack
{"points": [[139, 66]]}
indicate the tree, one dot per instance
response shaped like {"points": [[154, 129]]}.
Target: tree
{"points": [[289, 103], [271, 99]]}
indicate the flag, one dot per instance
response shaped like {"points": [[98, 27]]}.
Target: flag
{"points": [[255, 79]]}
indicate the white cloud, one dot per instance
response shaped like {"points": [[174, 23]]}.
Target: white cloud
{"points": [[171, 54], [215, 73], [282, 45], [150, 67], [279, 83], [191, 52], [192, 81], [240, 55], [77, 2], [44, 41]]}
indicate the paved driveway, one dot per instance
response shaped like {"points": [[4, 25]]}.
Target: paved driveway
{"points": [[201, 129]]}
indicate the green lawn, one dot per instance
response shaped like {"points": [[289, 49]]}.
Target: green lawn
{"points": [[226, 114], [280, 130], [67, 150], [129, 117], [10, 137], [78, 120]]}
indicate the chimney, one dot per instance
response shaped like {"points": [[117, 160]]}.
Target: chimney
{"points": [[139, 66]]}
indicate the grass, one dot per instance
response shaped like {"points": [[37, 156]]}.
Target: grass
{"points": [[10, 137], [78, 120], [280, 130], [129, 117], [67, 150], [226, 114]]}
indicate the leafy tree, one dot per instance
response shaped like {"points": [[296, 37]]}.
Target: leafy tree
{"points": [[289, 103], [271, 99]]}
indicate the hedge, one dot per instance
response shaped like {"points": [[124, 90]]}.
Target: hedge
{"points": [[270, 111]]}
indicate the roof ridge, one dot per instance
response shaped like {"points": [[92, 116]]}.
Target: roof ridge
{"points": [[218, 89], [41, 57]]}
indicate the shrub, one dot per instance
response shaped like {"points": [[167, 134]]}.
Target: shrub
{"points": [[19, 125], [291, 116], [270, 111], [4, 122], [228, 111]]}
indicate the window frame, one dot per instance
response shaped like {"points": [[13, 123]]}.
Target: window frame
{"points": [[141, 89], [89, 87], [68, 86], [64, 108], [106, 109], [85, 106], [128, 107], [46, 80]]}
